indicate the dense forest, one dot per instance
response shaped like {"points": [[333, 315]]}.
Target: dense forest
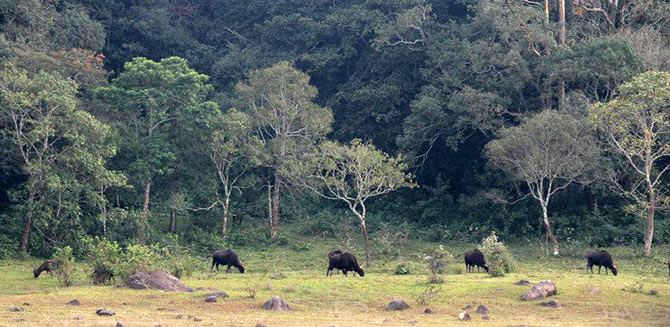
{"points": [[242, 122]]}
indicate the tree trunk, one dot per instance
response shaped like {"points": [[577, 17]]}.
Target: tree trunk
{"points": [[547, 228], [649, 235], [562, 40], [29, 219], [141, 235], [224, 219], [275, 208], [270, 204], [368, 255], [173, 220]]}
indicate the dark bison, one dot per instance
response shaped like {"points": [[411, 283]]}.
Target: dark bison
{"points": [[226, 257], [48, 266], [475, 258], [601, 259], [345, 262]]}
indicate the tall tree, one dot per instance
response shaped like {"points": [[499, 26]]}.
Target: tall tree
{"points": [[547, 153], [63, 147], [280, 100], [353, 173], [234, 149], [636, 126], [148, 100]]}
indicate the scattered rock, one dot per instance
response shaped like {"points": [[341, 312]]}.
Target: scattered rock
{"points": [[542, 289], [159, 280], [594, 291], [522, 282], [220, 295], [210, 298], [465, 316], [26, 304], [179, 316], [197, 319], [485, 317], [80, 317], [386, 321], [428, 311], [105, 312], [413, 322], [158, 325], [206, 289], [482, 309], [19, 319], [74, 302], [653, 292], [397, 305], [551, 304], [119, 324], [332, 325], [164, 309], [467, 307], [277, 304], [15, 309], [260, 325]]}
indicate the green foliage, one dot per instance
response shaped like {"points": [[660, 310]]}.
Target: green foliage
{"points": [[401, 269], [498, 257], [65, 269], [439, 260]]}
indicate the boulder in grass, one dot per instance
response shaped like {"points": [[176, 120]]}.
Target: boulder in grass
{"points": [[210, 298], [158, 280], [220, 295], [428, 311], [522, 282], [397, 305], [551, 304], [542, 289], [15, 309], [465, 316], [105, 312], [74, 302], [482, 309], [277, 304]]}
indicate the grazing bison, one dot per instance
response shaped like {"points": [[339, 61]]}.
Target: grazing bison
{"points": [[345, 262], [475, 258], [226, 257], [600, 258], [48, 266]]}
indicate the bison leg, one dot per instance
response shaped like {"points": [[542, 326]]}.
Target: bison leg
{"points": [[606, 271], [228, 270], [477, 269], [599, 269]]}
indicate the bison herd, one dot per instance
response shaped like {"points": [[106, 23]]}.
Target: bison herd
{"points": [[346, 262]]}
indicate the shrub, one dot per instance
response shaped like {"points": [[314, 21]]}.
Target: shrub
{"points": [[439, 260], [391, 237], [497, 256], [401, 269], [176, 258], [103, 258], [65, 269]]}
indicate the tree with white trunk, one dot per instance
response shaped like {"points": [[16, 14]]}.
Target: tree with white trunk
{"points": [[547, 152]]}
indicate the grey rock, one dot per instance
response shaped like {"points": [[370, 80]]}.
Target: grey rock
{"points": [[413, 322], [19, 319], [397, 305], [542, 289], [74, 302], [386, 321], [467, 307], [105, 312], [210, 298], [485, 317], [158, 280], [15, 309], [465, 316], [653, 292], [428, 311], [522, 282], [482, 309], [80, 317], [120, 324], [551, 304], [260, 325], [276, 304], [220, 295]]}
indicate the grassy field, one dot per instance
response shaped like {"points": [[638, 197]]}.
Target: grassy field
{"points": [[297, 274]]}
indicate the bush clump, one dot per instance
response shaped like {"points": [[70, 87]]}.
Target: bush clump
{"points": [[401, 269], [497, 256], [437, 264], [65, 268]]}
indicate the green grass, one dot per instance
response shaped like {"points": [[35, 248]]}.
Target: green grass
{"points": [[320, 301]]}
